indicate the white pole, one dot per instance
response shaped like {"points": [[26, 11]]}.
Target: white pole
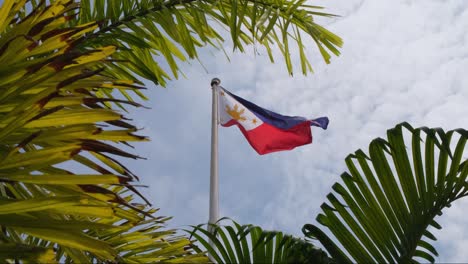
{"points": [[214, 194]]}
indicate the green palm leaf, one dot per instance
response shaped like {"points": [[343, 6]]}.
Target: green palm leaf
{"points": [[391, 198], [154, 36], [236, 243]]}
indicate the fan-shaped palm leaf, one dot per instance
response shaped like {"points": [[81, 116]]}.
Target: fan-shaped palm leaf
{"points": [[390, 198]]}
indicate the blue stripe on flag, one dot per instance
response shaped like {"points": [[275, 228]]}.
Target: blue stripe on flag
{"points": [[320, 122], [267, 116]]}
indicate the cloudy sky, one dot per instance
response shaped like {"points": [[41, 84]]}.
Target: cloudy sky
{"points": [[403, 60]]}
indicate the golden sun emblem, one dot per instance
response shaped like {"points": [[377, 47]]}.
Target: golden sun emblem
{"points": [[235, 113]]}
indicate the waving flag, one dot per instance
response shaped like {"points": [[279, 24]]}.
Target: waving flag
{"points": [[266, 131]]}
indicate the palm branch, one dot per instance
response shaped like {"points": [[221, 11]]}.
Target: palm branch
{"points": [[154, 36], [54, 109], [235, 243], [391, 198]]}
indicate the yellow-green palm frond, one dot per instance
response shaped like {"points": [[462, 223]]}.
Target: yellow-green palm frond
{"points": [[55, 108]]}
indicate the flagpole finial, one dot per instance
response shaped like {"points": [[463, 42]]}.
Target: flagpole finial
{"points": [[215, 81]]}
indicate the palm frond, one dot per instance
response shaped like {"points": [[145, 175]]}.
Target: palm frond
{"points": [[390, 199], [234, 243], [154, 37], [56, 108]]}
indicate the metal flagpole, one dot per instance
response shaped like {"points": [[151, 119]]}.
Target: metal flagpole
{"points": [[214, 194]]}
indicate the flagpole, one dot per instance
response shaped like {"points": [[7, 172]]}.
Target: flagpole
{"points": [[214, 193]]}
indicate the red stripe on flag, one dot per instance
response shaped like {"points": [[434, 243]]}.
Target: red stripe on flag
{"points": [[267, 138]]}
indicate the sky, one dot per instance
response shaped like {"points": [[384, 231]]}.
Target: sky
{"points": [[403, 60]]}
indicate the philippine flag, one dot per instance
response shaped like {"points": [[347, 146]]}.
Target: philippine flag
{"points": [[266, 131]]}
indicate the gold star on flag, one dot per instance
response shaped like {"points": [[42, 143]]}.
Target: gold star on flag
{"points": [[254, 121], [235, 113]]}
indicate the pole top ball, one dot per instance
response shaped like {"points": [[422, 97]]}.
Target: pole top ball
{"points": [[215, 81]]}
